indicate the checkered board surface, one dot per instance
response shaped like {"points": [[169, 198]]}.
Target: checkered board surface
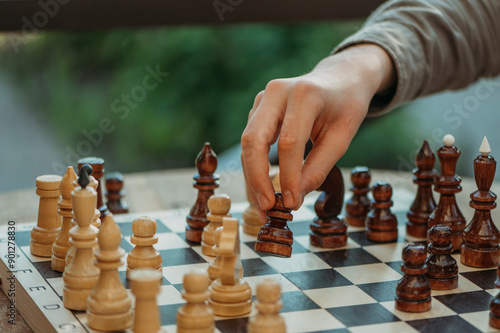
{"points": [[350, 289]]}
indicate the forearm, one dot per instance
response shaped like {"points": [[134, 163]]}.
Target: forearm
{"points": [[434, 44]]}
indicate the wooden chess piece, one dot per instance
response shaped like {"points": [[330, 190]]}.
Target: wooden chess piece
{"points": [[61, 245], [145, 285], [109, 307], [328, 229], [97, 165], [275, 237], [206, 181], [424, 204], [251, 222], [413, 293], [230, 295], [115, 193], [358, 206], [268, 306], [81, 275], [442, 268], [214, 268], [448, 184], [381, 224], [49, 221], [96, 221], [195, 316], [495, 305], [144, 255], [481, 237], [218, 206]]}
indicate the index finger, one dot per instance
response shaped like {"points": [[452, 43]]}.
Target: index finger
{"points": [[259, 134]]}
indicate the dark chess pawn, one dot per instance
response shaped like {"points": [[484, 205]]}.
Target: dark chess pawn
{"points": [[442, 268], [413, 293], [481, 237], [97, 165], [275, 237], [495, 305], [447, 184], [206, 181], [424, 204], [358, 206], [328, 229], [381, 224], [115, 193]]}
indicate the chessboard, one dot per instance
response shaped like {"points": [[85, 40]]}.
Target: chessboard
{"points": [[348, 289]]}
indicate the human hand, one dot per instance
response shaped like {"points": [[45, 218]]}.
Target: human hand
{"points": [[327, 105]]}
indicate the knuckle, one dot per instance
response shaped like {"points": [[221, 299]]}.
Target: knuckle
{"points": [[275, 85], [287, 141], [247, 140], [258, 98], [316, 178], [305, 88]]}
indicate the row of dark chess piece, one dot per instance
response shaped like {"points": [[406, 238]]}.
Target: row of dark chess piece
{"points": [[114, 187]]}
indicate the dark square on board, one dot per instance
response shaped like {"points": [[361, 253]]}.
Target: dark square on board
{"points": [[347, 257], [168, 313], [484, 279], [297, 301], [232, 325], [45, 269], [380, 291], [321, 278], [467, 302], [365, 314], [23, 238], [184, 256], [126, 228], [256, 266], [443, 324], [395, 265]]}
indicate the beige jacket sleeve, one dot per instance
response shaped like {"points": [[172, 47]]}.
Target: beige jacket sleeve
{"points": [[435, 45]]}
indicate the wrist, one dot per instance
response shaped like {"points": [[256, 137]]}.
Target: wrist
{"points": [[369, 63]]}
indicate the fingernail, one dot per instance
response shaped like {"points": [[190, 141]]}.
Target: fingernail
{"points": [[263, 202], [302, 195], [287, 198]]}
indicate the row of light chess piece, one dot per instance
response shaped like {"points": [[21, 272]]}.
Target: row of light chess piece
{"points": [[92, 282]]}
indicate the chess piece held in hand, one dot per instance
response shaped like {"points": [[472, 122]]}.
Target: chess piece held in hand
{"points": [[275, 237]]}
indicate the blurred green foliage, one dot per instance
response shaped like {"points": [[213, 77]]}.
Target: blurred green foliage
{"points": [[214, 75]]}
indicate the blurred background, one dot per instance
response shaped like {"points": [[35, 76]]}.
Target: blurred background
{"points": [[147, 99]]}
